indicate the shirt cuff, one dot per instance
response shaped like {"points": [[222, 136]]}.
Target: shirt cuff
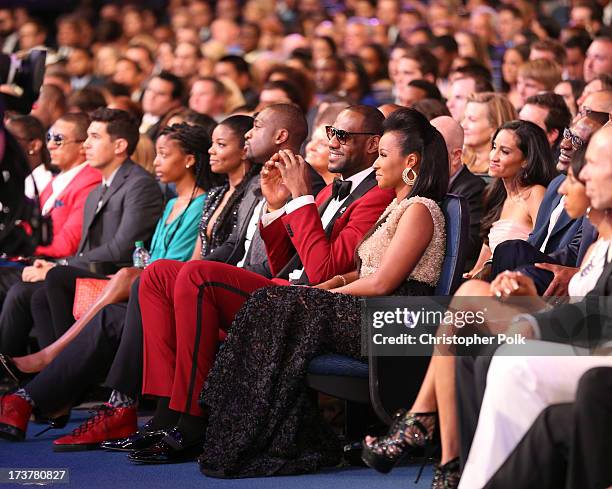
{"points": [[298, 202], [533, 322], [269, 217]]}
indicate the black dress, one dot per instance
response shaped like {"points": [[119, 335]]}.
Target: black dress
{"points": [[263, 420]]}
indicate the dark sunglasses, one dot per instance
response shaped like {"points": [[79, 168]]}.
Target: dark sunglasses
{"points": [[342, 135], [601, 117], [60, 139], [577, 141]]}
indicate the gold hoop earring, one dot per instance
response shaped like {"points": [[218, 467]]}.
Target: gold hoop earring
{"points": [[407, 178]]}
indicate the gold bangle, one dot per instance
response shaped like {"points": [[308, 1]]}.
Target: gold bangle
{"points": [[341, 277]]}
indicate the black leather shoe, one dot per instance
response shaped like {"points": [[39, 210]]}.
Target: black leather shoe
{"points": [[171, 449], [138, 441]]}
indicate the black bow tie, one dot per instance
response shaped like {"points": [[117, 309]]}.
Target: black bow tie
{"points": [[341, 188]]}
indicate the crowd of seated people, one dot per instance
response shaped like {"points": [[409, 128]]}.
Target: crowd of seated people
{"points": [[279, 162]]}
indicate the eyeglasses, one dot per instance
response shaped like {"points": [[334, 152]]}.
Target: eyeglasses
{"points": [[601, 117], [577, 141], [60, 139], [343, 135]]}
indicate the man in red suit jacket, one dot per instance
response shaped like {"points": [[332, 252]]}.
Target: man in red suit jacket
{"points": [[64, 197], [186, 308]]}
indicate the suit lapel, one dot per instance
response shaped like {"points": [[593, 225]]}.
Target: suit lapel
{"points": [[122, 173], [91, 207], [88, 214], [366, 185]]}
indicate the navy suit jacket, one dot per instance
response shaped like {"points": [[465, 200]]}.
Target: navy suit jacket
{"points": [[566, 237]]}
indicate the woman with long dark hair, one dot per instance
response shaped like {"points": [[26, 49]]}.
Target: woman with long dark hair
{"points": [[522, 164], [256, 393]]}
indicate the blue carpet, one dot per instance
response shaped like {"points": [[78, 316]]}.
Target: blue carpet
{"points": [[108, 470]]}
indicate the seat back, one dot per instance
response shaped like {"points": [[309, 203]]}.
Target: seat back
{"points": [[457, 217]]}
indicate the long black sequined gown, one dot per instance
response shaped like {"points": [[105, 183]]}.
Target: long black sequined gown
{"points": [[263, 421]]}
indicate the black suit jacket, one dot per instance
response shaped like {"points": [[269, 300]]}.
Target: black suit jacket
{"points": [[130, 209], [470, 187], [586, 323]]}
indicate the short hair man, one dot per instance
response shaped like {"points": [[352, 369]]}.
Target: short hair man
{"points": [[238, 70], [328, 77], [50, 106], [535, 76], [186, 59], [129, 73], [549, 111], [208, 96], [461, 89], [598, 59], [576, 48], [163, 94]]}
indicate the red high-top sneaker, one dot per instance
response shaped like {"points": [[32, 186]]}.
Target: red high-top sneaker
{"points": [[108, 423], [14, 416]]}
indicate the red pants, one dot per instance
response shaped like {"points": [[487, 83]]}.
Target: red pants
{"points": [[186, 309]]}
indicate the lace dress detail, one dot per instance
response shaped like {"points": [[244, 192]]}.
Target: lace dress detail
{"points": [[263, 419], [373, 249]]}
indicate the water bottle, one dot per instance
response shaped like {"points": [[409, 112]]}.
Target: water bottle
{"points": [[141, 256]]}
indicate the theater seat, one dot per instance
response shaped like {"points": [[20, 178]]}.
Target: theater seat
{"points": [[378, 383]]}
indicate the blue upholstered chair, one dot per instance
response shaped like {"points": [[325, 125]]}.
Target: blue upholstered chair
{"points": [[377, 383]]}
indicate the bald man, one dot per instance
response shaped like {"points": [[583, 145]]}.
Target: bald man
{"points": [[462, 181]]}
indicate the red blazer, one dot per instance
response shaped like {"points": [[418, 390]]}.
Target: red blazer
{"points": [[67, 214], [301, 231]]}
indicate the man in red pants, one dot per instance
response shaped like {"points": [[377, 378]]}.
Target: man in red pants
{"points": [[187, 308]]}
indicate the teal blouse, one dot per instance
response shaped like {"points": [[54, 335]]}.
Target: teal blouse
{"points": [[176, 240]]}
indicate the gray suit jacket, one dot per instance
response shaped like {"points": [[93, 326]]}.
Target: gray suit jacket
{"points": [[130, 209]]}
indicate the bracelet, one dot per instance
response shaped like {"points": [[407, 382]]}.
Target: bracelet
{"points": [[341, 277]]}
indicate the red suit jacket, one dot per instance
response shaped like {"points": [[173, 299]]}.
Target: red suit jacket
{"points": [[67, 213], [301, 231]]}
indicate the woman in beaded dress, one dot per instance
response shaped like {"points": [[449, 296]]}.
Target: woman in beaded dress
{"points": [[227, 156], [262, 419]]}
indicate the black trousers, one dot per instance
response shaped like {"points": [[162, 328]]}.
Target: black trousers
{"points": [[519, 255], [16, 319], [109, 350], [569, 445], [9, 276], [470, 382]]}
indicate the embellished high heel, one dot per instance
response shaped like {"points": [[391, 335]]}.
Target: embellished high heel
{"points": [[446, 476], [408, 432], [9, 370]]}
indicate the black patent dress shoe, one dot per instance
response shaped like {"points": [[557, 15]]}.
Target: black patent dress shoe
{"points": [[138, 441], [171, 449]]}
